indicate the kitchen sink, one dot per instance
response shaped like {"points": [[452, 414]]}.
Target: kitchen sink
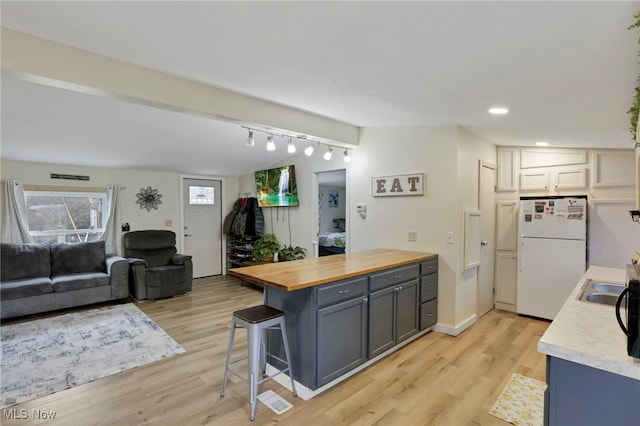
{"points": [[604, 293], [605, 299]]}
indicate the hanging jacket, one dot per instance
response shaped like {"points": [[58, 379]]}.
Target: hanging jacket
{"points": [[246, 219], [255, 220], [228, 220]]}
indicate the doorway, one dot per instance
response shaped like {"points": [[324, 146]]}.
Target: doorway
{"points": [[486, 270], [202, 227], [331, 226]]}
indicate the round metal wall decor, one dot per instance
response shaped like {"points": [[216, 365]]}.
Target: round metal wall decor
{"points": [[148, 198]]}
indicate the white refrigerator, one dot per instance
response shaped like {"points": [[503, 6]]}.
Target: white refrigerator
{"points": [[552, 253]]}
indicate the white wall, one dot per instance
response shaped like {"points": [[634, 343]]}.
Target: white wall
{"points": [[471, 150], [328, 214], [448, 156], [129, 181]]}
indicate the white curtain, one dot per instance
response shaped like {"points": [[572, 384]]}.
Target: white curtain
{"points": [[110, 235], [15, 228]]}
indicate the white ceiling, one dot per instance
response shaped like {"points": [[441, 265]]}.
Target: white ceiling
{"points": [[566, 71]]}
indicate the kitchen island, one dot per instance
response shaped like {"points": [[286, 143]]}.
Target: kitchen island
{"points": [[591, 379], [347, 311]]}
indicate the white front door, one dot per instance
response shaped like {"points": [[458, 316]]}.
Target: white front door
{"points": [[202, 203], [486, 204]]}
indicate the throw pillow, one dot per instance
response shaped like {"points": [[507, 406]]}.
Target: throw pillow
{"points": [[75, 258]]}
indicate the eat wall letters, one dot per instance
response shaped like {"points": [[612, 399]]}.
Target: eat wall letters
{"points": [[397, 185]]}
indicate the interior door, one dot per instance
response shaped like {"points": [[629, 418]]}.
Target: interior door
{"points": [[486, 204], [202, 204]]}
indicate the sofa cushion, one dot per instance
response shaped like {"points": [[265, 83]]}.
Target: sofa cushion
{"points": [[74, 258], [162, 276], [79, 281], [23, 261], [25, 288]]}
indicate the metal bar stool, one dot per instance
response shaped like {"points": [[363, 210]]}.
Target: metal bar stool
{"points": [[257, 320]]}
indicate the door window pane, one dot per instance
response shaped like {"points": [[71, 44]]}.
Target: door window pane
{"points": [[203, 195]]}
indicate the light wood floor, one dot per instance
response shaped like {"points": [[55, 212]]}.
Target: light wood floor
{"points": [[435, 380]]}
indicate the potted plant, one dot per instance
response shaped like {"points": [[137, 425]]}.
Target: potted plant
{"points": [[291, 253], [264, 247]]}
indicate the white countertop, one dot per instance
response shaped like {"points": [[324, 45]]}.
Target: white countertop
{"points": [[588, 333]]}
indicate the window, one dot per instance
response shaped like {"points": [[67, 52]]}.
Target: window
{"points": [[202, 195], [65, 214]]}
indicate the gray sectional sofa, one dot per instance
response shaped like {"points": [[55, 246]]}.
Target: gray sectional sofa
{"points": [[44, 277]]}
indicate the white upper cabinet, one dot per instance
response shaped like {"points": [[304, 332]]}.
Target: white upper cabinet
{"points": [[531, 158], [507, 170], [613, 168]]}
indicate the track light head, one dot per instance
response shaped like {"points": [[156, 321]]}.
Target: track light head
{"points": [[250, 140], [347, 157], [271, 146], [291, 148], [327, 155], [309, 150]]}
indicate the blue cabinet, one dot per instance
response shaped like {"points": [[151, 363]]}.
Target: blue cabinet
{"points": [[336, 327], [428, 293], [581, 395], [342, 344], [393, 308]]}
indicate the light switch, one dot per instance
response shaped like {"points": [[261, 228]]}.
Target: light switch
{"points": [[449, 239], [168, 223]]}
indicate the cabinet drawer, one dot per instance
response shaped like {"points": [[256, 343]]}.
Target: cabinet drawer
{"points": [[338, 292], [428, 314], [394, 276], [429, 267], [428, 287]]}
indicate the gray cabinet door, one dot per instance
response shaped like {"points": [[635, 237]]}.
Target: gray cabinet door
{"points": [[407, 310], [393, 316], [342, 337], [382, 320]]}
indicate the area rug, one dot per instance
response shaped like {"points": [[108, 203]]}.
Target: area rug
{"points": [[521, 401], [44, 356]]}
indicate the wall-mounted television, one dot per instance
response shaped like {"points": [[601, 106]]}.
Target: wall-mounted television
{"points": [[277, 187]]}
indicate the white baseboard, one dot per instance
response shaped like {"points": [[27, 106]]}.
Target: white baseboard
{"points": [[506, 307], [454, 331]]}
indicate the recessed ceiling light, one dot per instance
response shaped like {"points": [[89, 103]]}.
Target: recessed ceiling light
{"points": [[498, 110], [542, 143]]}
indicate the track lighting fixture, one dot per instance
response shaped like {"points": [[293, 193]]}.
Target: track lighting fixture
{"points": [[271, 146], [309, 150], [291, 147], [250, 140], [327, 155]]}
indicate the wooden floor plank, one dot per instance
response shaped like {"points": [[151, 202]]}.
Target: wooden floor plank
{"points": [[435, 380]]}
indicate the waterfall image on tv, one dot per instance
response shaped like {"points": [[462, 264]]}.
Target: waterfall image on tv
{"points": [[277, 187]]}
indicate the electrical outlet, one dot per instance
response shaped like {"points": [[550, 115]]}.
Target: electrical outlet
{"points": [[168, 223], [412, 236], [449, 239]]}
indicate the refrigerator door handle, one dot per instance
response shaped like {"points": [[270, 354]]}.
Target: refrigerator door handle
{"points": [[521, 253]]}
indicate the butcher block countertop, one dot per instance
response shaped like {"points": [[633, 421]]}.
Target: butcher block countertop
{"points": [[299, 274]]}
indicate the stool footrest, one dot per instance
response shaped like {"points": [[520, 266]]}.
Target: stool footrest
{"points": [[274, 375]]}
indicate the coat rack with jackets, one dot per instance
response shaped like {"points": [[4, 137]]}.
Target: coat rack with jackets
{"points": [[245, 219]]}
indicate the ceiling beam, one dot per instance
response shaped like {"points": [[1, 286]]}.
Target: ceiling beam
{"points": [[46, 62]]}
